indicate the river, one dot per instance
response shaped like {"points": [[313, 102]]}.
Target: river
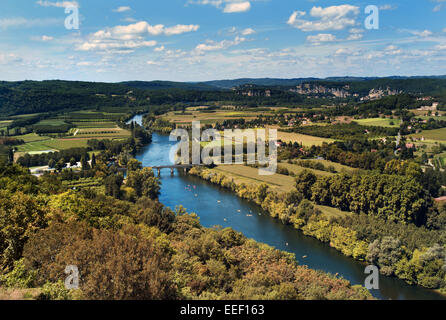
{"points": [[217, 206]]}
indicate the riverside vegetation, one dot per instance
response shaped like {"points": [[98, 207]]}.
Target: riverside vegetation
{"points": [[127, 245], [394, 226]]}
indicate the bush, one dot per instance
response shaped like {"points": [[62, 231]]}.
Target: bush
{"points": [[55, 291]]}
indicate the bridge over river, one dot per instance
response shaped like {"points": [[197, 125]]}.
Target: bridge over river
{"points": [[172, 168]]}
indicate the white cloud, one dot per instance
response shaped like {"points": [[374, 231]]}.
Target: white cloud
{"points": [[227, 6], [321, 37], [237, 7], [112, 45], [425, 33], [330, 18], [355, 36], [122, 9], [248, 32], [211, 45], [84, 64], [444, 30], [180, 29], [130, 37], [58, 4], [159, 49], [47, 38]]}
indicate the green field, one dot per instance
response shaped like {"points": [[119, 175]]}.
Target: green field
{"points": [[432, 117], [338, 167], [94, 124], [51, 122], [277, 182], [87, 125], [379, 122], [248, 175], [296, 169], [437, 135], [4, 124]]}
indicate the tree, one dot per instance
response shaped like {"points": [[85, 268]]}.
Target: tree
{"points": [[113, 185], [144, 183], [84, 163], [129, 264], [51, 164], [386, 254], [304, 182], [93, 160], [134, 165], [60, 165], [73, 162], [20, 216]]}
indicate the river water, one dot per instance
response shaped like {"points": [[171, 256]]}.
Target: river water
{"points": [[217, 206]]}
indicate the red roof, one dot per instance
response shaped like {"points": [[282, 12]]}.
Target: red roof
{"points": [[441, 199]]}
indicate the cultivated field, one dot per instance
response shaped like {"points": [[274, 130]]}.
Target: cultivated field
{"points": [[87, 125], [248, 175], [379, 122], [306, 140], [277, 182], [211, 117], [432, 135]]}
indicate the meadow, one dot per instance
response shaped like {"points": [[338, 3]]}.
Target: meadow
{"points": [[379, 122], [437, 135], [306, 140], [87, 125], [211, 117], [277, 182]]}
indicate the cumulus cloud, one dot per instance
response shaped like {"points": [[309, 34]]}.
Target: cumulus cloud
{"points": [[248, 32], [425, 33], [122, 9], [330, 18], [130, 37], [211, 45], [227, 6], [47, 38], [237, 7], [111, 45], [321, 37]]}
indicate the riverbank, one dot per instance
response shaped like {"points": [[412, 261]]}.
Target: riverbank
{"points": [[311, 219]]}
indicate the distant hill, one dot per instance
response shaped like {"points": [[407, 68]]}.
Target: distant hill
{"points": [[228, 84], [272, 82], [162, 85]]}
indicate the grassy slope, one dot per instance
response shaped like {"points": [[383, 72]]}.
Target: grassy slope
{"points": [[279, 183]]}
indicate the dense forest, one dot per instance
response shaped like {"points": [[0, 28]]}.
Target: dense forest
{"points": [[27, 97], [45, 226]]}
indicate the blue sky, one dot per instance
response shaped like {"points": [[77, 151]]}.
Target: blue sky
{"points": [[196, 40]]}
